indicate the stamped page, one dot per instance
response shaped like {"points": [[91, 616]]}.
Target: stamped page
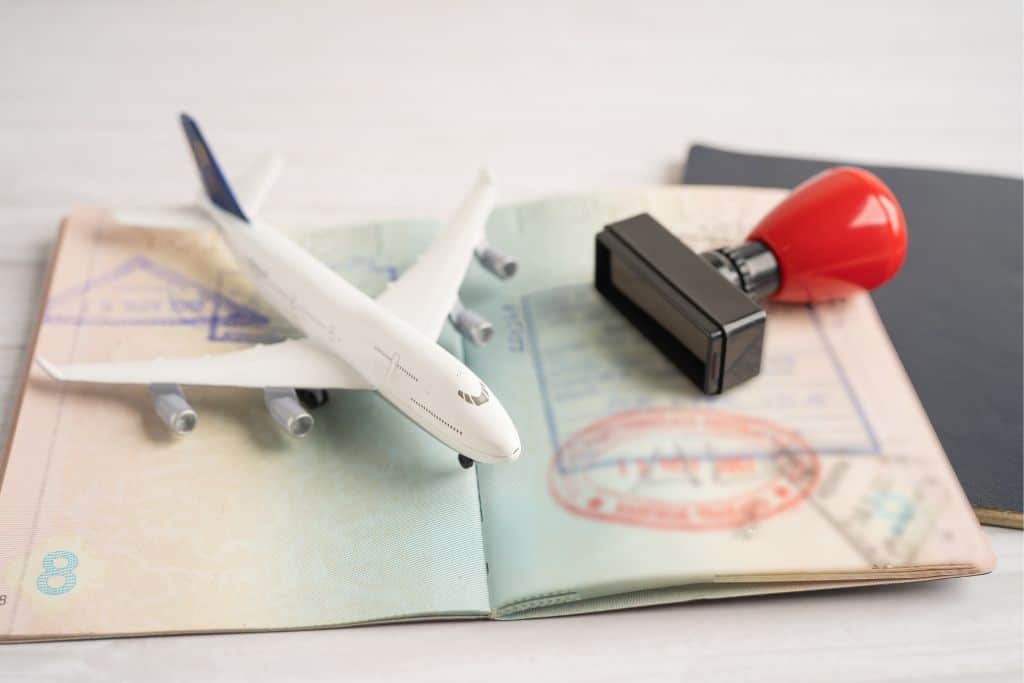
{"points": [[112, 526], [632, 482]]}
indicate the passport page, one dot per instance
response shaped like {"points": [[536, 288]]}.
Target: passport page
{"points": [[634, 484], [110, 525], [633, 487]]}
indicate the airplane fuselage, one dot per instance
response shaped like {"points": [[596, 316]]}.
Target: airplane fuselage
{"points": [[416, 375]]}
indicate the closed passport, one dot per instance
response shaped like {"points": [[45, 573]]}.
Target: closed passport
{"points": [[953, 311]]}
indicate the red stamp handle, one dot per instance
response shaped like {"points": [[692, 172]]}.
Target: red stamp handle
{"points": [[838, 233]]}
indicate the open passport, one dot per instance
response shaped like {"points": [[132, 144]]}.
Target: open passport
{"points": [[633, 488]]}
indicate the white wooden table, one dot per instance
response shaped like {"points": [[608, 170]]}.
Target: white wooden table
{"points": [[387, 110]]}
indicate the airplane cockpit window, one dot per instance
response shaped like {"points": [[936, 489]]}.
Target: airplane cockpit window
{"points": [[477, 400]]}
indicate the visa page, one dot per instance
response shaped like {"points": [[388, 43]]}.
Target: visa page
{"points": [[112, 526], [824, 467]]}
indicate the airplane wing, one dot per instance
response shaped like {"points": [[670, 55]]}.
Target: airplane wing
{"points": [[291, 363], [427, 291]]}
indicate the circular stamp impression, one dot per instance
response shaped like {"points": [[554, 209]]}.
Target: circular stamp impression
{"points": [[682, 469]]}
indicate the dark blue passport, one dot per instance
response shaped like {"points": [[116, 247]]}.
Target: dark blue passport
{"points": [[953, 311]]}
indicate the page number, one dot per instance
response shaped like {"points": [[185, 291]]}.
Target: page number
{"points": [[58, 575]]}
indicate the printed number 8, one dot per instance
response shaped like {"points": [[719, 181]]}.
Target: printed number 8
{"points": [[65, 571]]}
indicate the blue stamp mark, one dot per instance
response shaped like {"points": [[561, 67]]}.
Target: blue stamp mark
{"points": [[590, 363], [359, 268], [895, 508], [140, 292]]}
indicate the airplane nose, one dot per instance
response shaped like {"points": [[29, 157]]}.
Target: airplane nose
{"points": [[514, 452], [505, 444], [500, 439], [510, 446]]}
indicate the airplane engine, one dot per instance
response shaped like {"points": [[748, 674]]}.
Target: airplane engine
{"points": [[283, 405], [171, 407], [471, 324], [496, 261]]}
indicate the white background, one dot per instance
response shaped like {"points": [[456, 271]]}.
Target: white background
{"points": [[386, 110]]}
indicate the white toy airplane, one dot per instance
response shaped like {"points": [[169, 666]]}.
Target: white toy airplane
{"points": [[388, 344]]}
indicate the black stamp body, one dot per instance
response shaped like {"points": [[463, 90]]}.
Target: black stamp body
{"points": [[686, 304]]}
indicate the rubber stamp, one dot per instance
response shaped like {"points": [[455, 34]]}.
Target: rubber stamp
{"points": [[838, 233]]}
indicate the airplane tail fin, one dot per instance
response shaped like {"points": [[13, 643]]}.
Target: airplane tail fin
{"points": [[214, 182], [250, 191]]}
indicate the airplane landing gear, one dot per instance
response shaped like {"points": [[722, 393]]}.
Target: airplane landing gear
{"points": [[312, 398]]}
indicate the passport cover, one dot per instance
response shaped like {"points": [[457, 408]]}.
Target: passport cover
{"points": [[953, 311]]}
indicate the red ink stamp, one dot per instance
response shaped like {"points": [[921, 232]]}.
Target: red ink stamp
{"points": [[682, 469]]}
